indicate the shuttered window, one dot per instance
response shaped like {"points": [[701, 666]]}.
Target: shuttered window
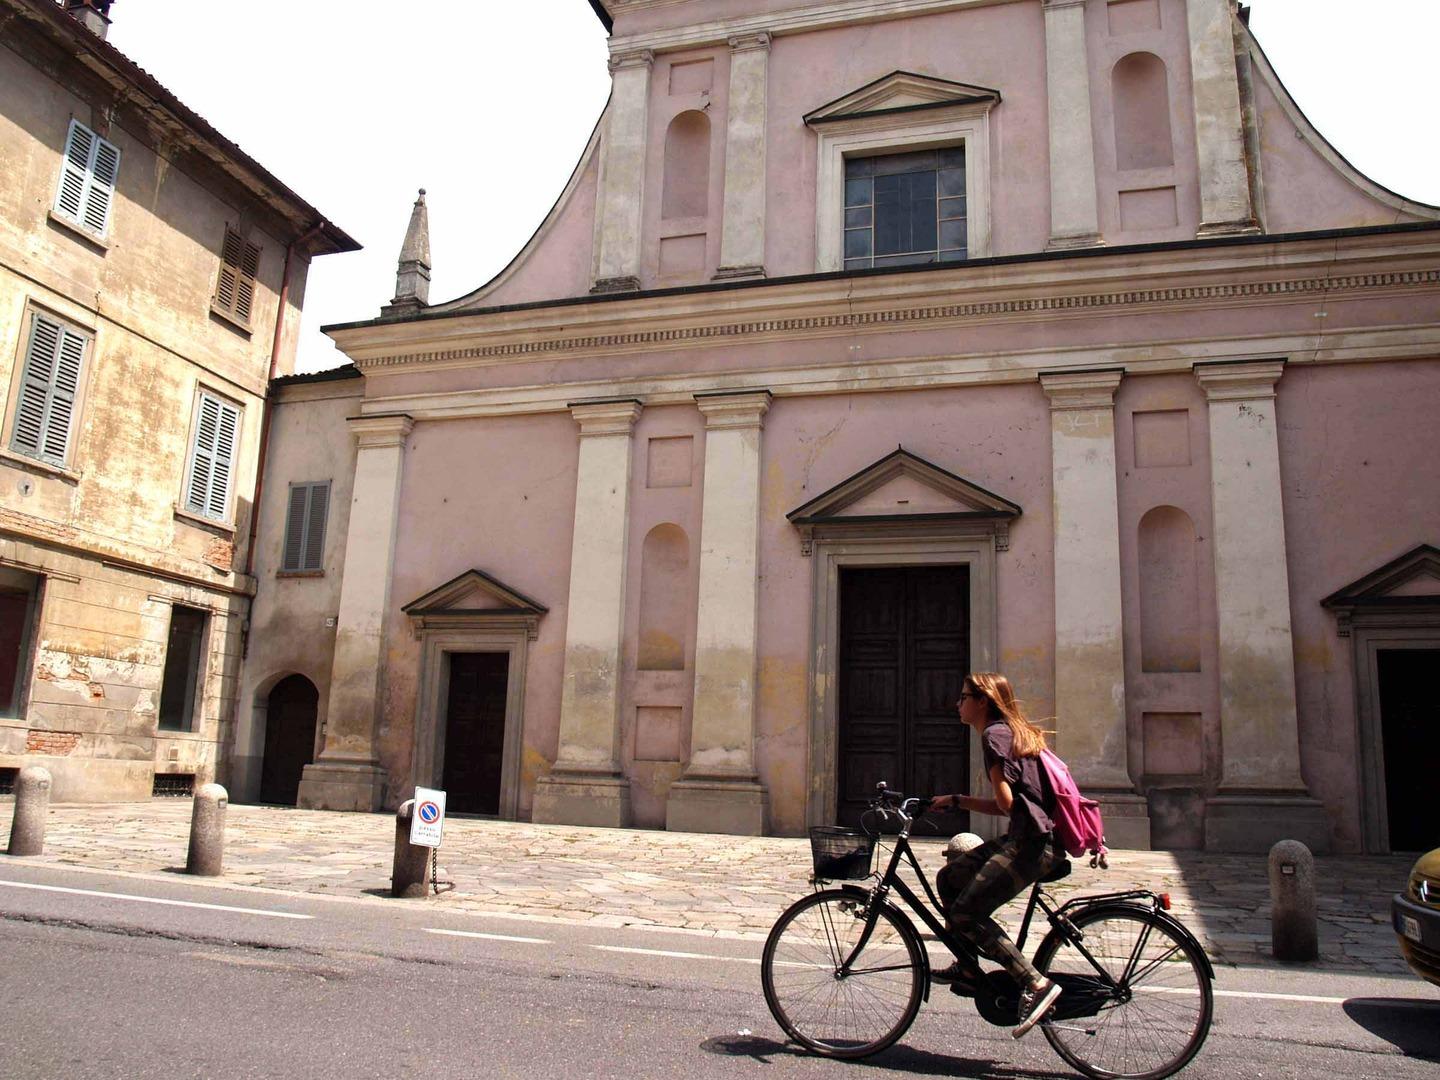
{"points": [[49, 388], [235, 287], [212, 458], [305, 526], [87, 179]]}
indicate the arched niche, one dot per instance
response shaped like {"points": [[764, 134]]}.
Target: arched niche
{"points": [[686, 191], [664, 598], [1169, 592], [1140, 90]]}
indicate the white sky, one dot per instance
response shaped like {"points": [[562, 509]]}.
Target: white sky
{"points": [[488, 104]]}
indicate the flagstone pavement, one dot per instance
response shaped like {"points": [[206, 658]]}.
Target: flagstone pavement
{"points": [[699, 883]]}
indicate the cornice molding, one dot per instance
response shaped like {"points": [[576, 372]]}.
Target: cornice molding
{"points": [[685, 331], [795, 21], [1249, 381]]}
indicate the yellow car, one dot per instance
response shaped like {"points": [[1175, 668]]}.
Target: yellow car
{"points": [[1416, 913]]}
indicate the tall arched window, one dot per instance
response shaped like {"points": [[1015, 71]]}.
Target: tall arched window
{"points": [[686, 193], [1169, 592], [1141, 94], [664, 598]]}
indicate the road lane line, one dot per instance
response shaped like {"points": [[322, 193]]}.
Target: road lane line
{"points": [[1256, 994], [675, 955], [155, 900], [489, 937]]}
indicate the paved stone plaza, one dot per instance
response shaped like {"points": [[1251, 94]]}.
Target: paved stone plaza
{"points": [[703, 883]]}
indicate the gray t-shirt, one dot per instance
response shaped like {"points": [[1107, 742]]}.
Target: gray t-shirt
{"points": [[1027, 812]]}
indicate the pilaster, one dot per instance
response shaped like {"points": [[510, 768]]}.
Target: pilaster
{"points": [[1225, 206], [1074, 208], [742, 236], [1262, 797], [347, 774], [622, 174], [719, 791], [1089, 630], [585, 786]]}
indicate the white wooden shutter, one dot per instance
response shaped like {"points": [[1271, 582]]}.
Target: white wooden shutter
{"points": [[314, 557], [49, 385], [295, 516], [87, 178], [212, 456]]}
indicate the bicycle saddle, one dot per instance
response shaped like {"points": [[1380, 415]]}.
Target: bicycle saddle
{"points": [[1062, 869]]}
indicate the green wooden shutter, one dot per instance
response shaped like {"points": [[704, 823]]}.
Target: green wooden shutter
{"points": [[305, 526], [212, 456], [314, 557], [295, 516], [87, 178], [49, 386]]}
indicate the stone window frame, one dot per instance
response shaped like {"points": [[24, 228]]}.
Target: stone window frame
{"points": [[893, 544], [489, 632], [966, 125]]}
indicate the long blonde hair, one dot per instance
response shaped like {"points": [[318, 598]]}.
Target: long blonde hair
{"points": [[1029, 739]]}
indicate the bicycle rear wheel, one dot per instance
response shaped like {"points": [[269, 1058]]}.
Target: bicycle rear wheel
{"points": [[1137, 1003], [842, 1015]]}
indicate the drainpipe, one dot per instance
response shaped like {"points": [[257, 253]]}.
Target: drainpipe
{"points": [[297, 243]]}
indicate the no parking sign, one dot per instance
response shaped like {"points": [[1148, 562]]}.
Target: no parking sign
{"points": [[428, 820]]}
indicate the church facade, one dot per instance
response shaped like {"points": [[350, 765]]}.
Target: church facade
{"points": [[867, 345]]}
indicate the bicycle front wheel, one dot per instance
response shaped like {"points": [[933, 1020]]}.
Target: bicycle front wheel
{"points": [[1137, 1001], [837, 1011]]}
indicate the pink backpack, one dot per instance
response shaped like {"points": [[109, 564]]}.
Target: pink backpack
{"points": [[1078, 827]]}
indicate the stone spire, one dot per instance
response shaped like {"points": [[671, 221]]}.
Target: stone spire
{"points": [[412, 276]]}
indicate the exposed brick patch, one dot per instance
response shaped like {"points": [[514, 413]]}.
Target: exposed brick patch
{"points": [[55, 743], [220, 554]]}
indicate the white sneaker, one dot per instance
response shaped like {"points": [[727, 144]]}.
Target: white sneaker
{"points": [[1035, 1005]]}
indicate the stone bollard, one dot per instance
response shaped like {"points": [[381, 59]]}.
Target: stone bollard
{"points": [[411, 871], [32, 804], [961, 843], [207, 831], [1293, 931]]}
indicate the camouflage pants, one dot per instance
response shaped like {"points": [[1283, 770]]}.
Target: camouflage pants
{"points": [[977, 883]]}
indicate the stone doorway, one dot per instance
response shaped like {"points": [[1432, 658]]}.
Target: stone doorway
{"points": [[475, 731], [290, 714], [1410, 736], [904, 652]]}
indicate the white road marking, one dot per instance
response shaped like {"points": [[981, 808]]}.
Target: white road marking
{"points": [[1255, 994], [490, 937], [155, 900], [675, 955]]}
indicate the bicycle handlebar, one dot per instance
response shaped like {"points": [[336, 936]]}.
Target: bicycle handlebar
{"points": [[887, 802]]}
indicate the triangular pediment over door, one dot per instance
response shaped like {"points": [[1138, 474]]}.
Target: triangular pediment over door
{"points": [[903, 493], [902, 91], [1405, 584], [474, 599]]}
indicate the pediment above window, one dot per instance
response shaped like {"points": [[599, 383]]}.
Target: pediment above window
{"points": [[1409, 584], [902, 91], [474, 600], [902, 494]]}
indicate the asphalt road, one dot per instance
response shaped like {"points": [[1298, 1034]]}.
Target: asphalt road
{"points": [[107, 975]]}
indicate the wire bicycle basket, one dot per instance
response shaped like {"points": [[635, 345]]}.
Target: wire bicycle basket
{"points": [[841, 854]]}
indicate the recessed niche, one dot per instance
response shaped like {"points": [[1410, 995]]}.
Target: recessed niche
{"points": [[1169, 592], [1162, 438], [1133, 16], [669, 462], [664, 598], [1174, 744], [682, 255], [692, 77], [657, 733]]}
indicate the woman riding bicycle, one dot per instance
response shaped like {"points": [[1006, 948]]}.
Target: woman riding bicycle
{"points": [[977, 883]]}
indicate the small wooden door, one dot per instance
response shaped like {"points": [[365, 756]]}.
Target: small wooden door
{"points": [[1410, 729], [904, 653], [475, 732], [289, 738]]}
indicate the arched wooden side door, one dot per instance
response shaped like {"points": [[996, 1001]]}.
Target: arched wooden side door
{"points": [[289, 738]]}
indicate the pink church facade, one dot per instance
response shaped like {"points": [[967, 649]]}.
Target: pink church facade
{"points": [[868, 345]]}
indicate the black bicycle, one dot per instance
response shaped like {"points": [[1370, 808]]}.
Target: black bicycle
{"points": [[845, 971]]}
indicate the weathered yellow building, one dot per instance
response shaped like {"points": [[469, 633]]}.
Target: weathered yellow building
{"points": [[151, 281]]}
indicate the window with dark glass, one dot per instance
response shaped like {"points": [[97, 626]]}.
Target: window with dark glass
{"points": [[905, 209], [17, 616], [181, 682]]}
